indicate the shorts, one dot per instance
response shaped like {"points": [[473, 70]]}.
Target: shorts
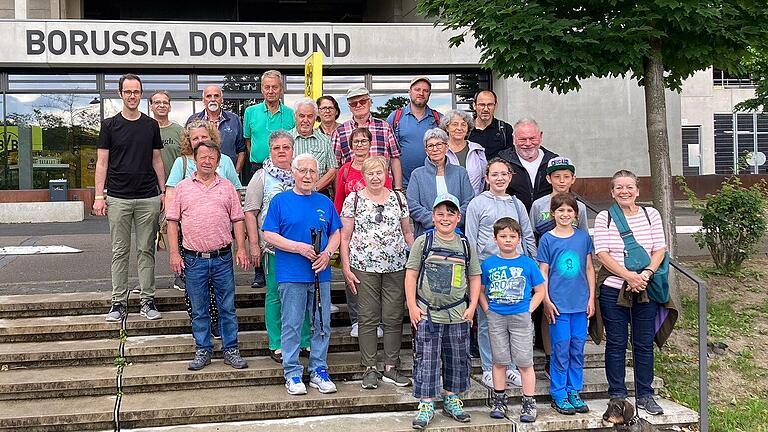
{"points": [[511, 338]]}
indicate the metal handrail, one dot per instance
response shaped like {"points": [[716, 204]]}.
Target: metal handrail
{"points": [[701, 287]]}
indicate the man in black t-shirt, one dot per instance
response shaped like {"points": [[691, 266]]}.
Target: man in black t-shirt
{"points": [[130, 166], [493, 134]]}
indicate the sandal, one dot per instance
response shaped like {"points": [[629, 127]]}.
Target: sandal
{"points": [[276, 356]]}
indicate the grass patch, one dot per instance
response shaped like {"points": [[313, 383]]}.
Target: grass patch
{"points": [[680, 374], [722, 320], [744, 363], [743, 416]]}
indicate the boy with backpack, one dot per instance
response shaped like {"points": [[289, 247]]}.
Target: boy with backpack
{"points": [[442, 286], [565, 259], [508, 279]]}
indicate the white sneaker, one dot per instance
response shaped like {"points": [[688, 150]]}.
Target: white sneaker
{"points": [[379, 332], [295, 386], [353, 333], [334, 308], [321, 381], [487, 379], [513, 378]]}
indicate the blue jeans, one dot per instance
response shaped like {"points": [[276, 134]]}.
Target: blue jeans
{"points": [[484, 342], [297, 300], [567, 337], [616, 320], [221, 273]]}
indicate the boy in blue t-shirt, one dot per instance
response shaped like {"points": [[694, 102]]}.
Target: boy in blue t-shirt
{"points": [[565, 259], [507, 280]]}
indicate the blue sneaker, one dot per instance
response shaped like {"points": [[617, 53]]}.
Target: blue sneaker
{"points": [[295, 386], [563, 406], [453, 407], [425, 415], [321, 381], [579, 405]]}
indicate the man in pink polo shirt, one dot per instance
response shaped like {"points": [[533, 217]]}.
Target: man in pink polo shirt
{"points": [[207, 206]]}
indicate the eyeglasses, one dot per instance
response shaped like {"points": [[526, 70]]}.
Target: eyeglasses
{"points": [[435, 146], [495, 175], [461, 124], [379, 213], [360, 102], [485, 105], [361, 142], [161, 103], [305, 171], [330, 108], [132, 92], [528, 139]]}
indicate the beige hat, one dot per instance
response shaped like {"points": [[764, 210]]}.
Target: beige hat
{"points": [[420, 78], [356, 91]]}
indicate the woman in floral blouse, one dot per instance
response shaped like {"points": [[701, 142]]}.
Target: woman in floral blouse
{"points": [[374, 248]]}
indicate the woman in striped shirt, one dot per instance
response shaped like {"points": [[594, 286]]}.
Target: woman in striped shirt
{"points": [[624, 286]]}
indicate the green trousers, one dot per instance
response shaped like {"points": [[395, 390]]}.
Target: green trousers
{"points": [[272, 308]]}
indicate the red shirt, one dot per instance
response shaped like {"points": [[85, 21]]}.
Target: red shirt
{"points": [[348, 180], [206, 213]]}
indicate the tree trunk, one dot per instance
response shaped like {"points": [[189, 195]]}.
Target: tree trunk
{"points": [[658, 143]]}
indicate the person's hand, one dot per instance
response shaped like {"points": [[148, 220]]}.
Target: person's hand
{"points": [[177, 263], [242, 259], [591, 307], [100, 207], [255, 255], [351, 280], [162, 202], [636, 281], [469, 315], [415, 313], [321, 262], [550, 311], [307, 251]]}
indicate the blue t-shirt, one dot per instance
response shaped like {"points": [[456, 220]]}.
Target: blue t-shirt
{"points": [[568, 288], [292, 216], [508, 283]]}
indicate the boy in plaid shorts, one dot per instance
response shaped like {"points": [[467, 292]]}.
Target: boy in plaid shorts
{"points": [[442, 287]]}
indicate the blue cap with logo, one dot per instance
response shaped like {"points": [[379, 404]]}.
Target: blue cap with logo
{"points": [[446, 198]]}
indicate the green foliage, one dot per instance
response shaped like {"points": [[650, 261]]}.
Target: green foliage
{"points": [[390, 105], [756, 65], [733, 222], [555, 43]]}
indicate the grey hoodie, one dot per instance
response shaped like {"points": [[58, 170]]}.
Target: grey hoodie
{"points": [[483, 211]]}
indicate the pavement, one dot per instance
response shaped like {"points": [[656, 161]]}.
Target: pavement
{"points": [[89, 270]]}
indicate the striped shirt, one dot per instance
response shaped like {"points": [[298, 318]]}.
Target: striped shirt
{"points": [[206, 213], [607, 238], [318, 145], [383, 144]]}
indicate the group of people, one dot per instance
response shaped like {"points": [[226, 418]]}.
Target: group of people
{"points": [[444, 219]]}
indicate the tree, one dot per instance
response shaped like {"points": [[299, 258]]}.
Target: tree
{"points": [[392, 104], [756, 65], [553, 44]]}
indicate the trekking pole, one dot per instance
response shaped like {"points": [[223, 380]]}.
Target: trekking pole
{"points": [[317, 305]]}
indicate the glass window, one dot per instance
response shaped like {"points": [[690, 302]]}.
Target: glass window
{"points": [[229, 83], [180, 111], [56, 137], [43, 82], [152, 82]]}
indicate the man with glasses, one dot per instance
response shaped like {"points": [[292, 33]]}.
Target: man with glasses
{"points": [[130, 166], [493, 134], [383, 142], [228, 123], [529, 162], [170, 132]]}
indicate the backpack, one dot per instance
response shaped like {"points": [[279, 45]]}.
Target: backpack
{"points": [[399, 115], [429, 237]]}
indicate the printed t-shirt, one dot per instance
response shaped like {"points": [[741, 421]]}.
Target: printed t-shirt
{"points": [[568, 288], [508, 283]]}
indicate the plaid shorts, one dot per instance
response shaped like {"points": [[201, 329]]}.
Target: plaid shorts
{"points": [[441, 353]]}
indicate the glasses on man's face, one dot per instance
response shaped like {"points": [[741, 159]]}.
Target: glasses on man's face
{"points": [[532, 140], [379, 214], [435, 146], [161, 103], [357, 103], [305, 171], [361, 142], [485, 105], [327, 108], [132, 92]]}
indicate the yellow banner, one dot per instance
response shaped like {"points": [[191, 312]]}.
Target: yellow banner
{"points": [[87, 167], [10, 141], [313, 75]]}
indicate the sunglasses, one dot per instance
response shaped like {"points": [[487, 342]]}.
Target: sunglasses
{"points": [[358, 102], [379, 214]]}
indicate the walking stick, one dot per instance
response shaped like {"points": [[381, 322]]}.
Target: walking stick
{"points": [[317, 305]]}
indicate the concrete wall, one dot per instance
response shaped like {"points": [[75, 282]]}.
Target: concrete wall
{"points": [[700, 101], [601, 127], [42, 212], [40, 9]]}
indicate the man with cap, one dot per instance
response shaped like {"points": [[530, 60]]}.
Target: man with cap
{"points": [[493, 134], [410, 122], [529, 162], [383, 142]]}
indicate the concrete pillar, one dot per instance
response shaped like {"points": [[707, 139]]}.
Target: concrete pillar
{"points": [[25, 157], [56, 9], [20, 9]]}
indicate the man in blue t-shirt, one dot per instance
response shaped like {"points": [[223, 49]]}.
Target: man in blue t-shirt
{"points": [[293, 220]]}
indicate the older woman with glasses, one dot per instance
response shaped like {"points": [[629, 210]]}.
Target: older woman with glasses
{"points": [[328, 113], [463, 152], [349, 178], [374, 240], [435, 178]]}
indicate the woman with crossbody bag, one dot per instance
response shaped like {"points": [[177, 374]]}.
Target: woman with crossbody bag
{"points": [[374, 244]]}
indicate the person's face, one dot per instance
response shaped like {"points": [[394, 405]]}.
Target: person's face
{"points": [[458, 128], [445, 218], [207, 160], [485, 106], [561, 180], [436, 150], [507, 240], [131, 94], [213, 98], [281, 153], [361, 146], [305, 120], [527, 141], [419, 93], [327, 111], [498, 178], [360, 105], [625, 191], [272, 89], [160, 105], [198, 135], [305, 176], [564, 215], [375, 177]]}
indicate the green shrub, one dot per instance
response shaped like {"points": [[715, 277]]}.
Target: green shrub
{"points": [[733, 221]]}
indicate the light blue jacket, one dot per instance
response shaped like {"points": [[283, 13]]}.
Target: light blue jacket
{"points": [[484, 210], [422, 191]]}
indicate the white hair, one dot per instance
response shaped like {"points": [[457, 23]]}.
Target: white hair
{"points": [[448, 117], [304, 157], [305, 101], [274, 74], [526, 121]]}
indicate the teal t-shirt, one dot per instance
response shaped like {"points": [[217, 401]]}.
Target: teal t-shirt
{"points": [[225, 169], [259, 123]]}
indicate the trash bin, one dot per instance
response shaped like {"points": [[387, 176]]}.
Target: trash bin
{"points": [[57, 190]]}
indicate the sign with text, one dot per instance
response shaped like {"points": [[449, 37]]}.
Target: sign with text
{"points": [[313, 76]]}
